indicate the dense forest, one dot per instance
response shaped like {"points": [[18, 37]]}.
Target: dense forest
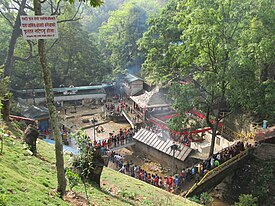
{"points": [[225, 48], [93, 43], [216, 56]]}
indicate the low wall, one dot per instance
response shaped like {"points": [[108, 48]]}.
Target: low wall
{"points": [[265, 151]]}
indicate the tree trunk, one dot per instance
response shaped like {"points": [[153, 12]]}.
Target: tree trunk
{"points": [[16, 32], [264, 73], [213, 139], [214, 126], [5, 109], [52, 110]]}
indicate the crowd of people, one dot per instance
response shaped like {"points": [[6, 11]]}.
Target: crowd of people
{"points": [[116, 108], [199, 170], [123, 136], [135, 171], [176, 183], [170, 183]]}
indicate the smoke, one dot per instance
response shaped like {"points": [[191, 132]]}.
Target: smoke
{"points": [[134, 69]]}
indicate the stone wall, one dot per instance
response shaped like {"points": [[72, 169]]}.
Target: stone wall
{"points": [[160, 157], [265, 151]]}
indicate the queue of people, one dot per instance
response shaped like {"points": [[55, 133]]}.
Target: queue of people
{"points": [[124, 136], [169, 183], [176, 183], [200, 169]]}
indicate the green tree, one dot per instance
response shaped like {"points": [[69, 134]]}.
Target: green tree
{"points": [[14, 21], [159, 43], [4, 95], [61, 188], [257, 51], [119, 35], [4, 83], [246, 200], [209, 57], [94, 17], [76, 59]]}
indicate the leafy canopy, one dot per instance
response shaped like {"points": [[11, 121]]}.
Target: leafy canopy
{"points": [[93, 3]]}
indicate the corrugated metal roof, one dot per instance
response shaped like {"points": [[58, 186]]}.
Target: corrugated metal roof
{"points": [[131, 78], [63, 89], [153, 140], [35, 112], [152, 99]]}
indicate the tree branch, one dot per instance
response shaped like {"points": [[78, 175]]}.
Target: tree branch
{"points": [[57, 9], [11, 8], [229, 113], [52, 45], [74, 16], [29, 7], [10, 23], [207, 118], [17, 2], [211, 57], [28, 57]]}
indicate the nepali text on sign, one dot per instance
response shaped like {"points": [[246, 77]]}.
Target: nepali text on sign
{"points": [[39, 27]]}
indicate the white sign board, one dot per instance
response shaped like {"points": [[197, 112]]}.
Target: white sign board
{"points": [[39, 27]]}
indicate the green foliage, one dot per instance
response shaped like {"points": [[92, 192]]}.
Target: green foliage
{"points": [[127, 194], [2, 140], [82, 63], [204, 199], [73, 178], [246, 200], [263, 181], [119, 35], [159, 43], [195, 199], [5, 31], [4, 86], [213, 46], [3, 200], [94, 17], [93, 3], [3, 137], [83, 161], [187, 97], [23, 75]]}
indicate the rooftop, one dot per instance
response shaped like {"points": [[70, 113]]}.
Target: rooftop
{"points": [[35, 112], [131, 78], [63, 89], [152, 99], [161, 143]]}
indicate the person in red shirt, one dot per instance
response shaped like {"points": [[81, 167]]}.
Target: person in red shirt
{"points": [[167, 184], [149, 178], [170, 182]]}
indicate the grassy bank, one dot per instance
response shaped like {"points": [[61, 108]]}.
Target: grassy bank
{"points": [[31, 181]]}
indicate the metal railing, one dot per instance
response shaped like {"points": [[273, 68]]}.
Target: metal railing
{"points": [[218, 169], [128, 117], [237, 135]]}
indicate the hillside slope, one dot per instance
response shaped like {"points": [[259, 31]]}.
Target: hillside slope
{"points": [[31, 181]]}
